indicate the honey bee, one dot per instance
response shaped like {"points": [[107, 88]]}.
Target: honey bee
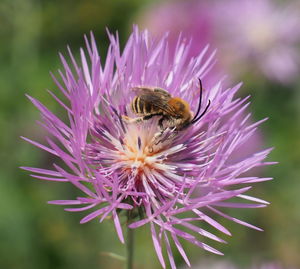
{"points": [[174, 111]]}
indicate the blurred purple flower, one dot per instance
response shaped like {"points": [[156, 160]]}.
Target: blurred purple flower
{"points": [[257, 36], [190, 19], [111, 161], [260, 34]]}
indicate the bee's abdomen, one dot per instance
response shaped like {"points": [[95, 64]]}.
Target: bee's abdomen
{"points": [[140, 106]]}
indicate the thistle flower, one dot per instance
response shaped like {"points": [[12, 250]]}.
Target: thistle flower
{"points": [[257, 36], [190, 19], [172, 183], [260, 35]]}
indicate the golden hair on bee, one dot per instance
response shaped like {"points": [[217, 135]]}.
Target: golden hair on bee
{"points": [[180, 106]]}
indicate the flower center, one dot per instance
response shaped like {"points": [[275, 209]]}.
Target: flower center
{"points": [[141, 150], [143, 158]]}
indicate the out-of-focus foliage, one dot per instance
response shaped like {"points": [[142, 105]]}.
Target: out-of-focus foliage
{"points": [[36, 235]]}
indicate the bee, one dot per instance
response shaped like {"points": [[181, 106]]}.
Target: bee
{"points": [[174, 112]]}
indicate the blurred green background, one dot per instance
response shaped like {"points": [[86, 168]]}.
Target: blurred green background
{"points": [[34, 234]]}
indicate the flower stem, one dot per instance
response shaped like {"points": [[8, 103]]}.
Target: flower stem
{"points": [[130, 247]]}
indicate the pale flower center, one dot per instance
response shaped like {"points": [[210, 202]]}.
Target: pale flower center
{"points": [[143, 157], [141, 150]]}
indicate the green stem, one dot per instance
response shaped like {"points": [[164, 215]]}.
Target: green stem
{"points": [[130, 247]]}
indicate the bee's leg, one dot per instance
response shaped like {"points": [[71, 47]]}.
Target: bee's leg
{"points": [[157, 136], [160, 123], [155, 140]]}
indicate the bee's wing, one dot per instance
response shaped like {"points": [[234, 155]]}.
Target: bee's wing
{"points": [[156, 100], [141, 90]]}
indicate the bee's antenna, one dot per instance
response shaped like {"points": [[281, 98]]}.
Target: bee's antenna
{"points": [[200, 100], [202, 114], [195, 119]]}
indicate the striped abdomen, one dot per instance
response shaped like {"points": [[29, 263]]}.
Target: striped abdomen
{"points": [[141, 107]]}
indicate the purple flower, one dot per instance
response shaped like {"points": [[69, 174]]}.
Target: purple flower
{"points": [[172, 183], [257, 36], [190, 19]]}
